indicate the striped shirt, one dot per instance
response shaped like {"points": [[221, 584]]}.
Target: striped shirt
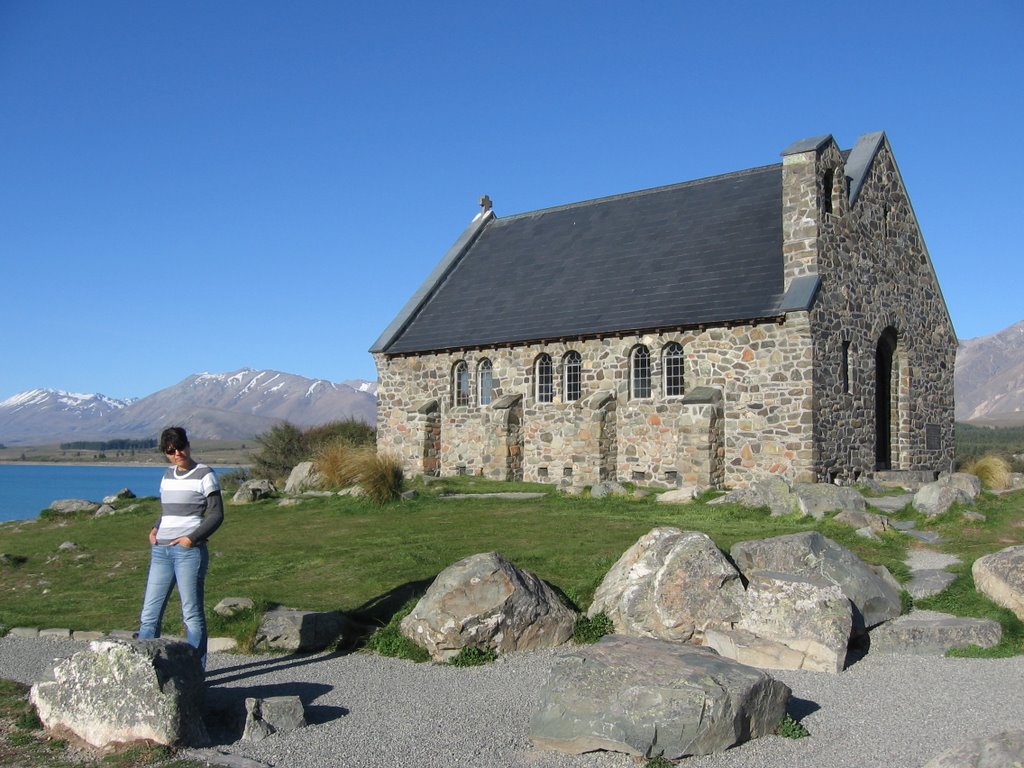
{"points": [[184, 500]]}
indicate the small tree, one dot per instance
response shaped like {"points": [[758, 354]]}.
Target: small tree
{"points": [[281, 448]]}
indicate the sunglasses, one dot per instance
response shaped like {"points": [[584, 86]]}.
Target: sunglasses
{"points": [[172, 451]]}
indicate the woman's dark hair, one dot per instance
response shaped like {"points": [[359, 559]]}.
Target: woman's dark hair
{"points": [[173, 437]]}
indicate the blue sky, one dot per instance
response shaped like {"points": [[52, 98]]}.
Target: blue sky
{"points": [[204, 186]]}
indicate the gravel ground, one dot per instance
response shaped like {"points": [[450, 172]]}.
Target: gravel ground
{"points": [[366, 710]]}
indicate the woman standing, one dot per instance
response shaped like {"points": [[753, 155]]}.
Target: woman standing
{"points": [[191, 510]]}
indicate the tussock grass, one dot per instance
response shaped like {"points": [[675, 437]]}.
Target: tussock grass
{"points": [[342, 464], [993, 470]]}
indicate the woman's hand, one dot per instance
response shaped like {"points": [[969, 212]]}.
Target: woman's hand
{"points": [[152, 536], [182, 541]]}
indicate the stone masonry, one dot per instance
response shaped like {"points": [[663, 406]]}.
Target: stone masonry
{"points": [[794, 396]]}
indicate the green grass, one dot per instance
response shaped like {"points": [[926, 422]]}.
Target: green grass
{"points": [[340, 553]]}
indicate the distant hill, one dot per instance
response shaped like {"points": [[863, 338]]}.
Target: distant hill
{"points": [[212, 406], [990, 378]]}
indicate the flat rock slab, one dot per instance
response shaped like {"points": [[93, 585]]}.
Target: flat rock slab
{"points": [[929, 559], [928, 537], [931, 632], [647, 697], [1000, 576], [903, 525], [1001, 750], [932, 581], [890, 503]]}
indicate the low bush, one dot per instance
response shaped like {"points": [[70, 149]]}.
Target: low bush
{"points": [[589, 629], [472, 656], [791, 729], [389, 641]]}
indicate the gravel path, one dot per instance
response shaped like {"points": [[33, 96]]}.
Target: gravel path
{"points": [[368, 711]]}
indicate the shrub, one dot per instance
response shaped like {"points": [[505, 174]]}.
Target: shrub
{"points": [[472, 656], [339, 463], [382, 478], [791, 729], [281, 448], [348, 431], [589, 630], [389, 641], [993, 470]]}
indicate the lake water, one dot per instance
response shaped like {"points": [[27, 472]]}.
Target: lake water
{"points": [[27, 489]]}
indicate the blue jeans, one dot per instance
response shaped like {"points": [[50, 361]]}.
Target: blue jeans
{"points": [[185, 567]]}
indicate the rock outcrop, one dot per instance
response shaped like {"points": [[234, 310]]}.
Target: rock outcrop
{"points": [[1000, 576], [253, 490], [647, 697], [1000, 750], [127, 690], [303, 477], [875, 594], [672, 585], [287, 629], [485, 601]]}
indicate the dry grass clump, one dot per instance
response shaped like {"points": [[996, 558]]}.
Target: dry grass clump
{"points": [[993, 470], [342, 465]]}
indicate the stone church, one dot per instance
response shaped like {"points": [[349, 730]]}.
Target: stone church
{"points": [[783, 320]]}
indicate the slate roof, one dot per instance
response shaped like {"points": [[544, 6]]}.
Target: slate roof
{"points": [[700, 252]]}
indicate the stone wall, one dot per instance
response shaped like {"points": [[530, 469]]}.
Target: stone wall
{"points": [[760, 424], [876, 274]]}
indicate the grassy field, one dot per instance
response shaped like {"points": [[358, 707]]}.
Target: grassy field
{"points": [[330, 553]]}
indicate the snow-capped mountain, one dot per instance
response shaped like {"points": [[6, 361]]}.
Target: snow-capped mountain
{"points": [[212, 406]]}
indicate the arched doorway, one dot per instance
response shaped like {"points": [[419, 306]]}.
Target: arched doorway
{"points": [[885, 356]]}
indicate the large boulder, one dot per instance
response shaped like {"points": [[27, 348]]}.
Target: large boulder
{"points": [[127, 690], [303, 477], [70, 506], [1000, 576], [671, 584], [772, 492], [485, 601], [647, 697], [935, 498], [1000, 750], [789, 622], [286, 629], [930, 632], [875, 594], [817, 499], [253, 490]]}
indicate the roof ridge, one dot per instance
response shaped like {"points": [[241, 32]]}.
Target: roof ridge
{"points": [[638, 193]]}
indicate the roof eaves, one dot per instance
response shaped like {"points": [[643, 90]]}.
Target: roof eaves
{"points": [[861, 157], [800, 295], [436, 277]]}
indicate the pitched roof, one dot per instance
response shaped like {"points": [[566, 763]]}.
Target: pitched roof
{"points": [[700, 252]]}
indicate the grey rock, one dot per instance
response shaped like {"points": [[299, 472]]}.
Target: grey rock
{"points": [[678, 496], [253, 490], [84, 635], [864, 519], [229, 606], [277, 714], [105, 511], [287, 629], [647, 697], [1000, 750], [771, 492], [303, 477], [127, 690], [974, 517], [928, 582], [24, 632], [124, 493], [67, 506], [817, 499], [903, 525], [928, 537], [810, 616], [891, 503], [67, 546], [935, 498], [875, 594], [1000, 576], [671, 584], [485, 601], [57, 632], [931, 632]]}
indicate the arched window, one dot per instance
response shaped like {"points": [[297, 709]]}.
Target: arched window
{"points": [[672, 366], [572, 364], [485, 381], [544, 375], [640, 372], [460, 383]]}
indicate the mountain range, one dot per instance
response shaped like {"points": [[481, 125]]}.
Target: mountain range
{"points": [[211, 406], [989, 381]]}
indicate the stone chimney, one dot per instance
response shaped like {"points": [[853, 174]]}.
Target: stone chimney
{"points": [[810, 168]]}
